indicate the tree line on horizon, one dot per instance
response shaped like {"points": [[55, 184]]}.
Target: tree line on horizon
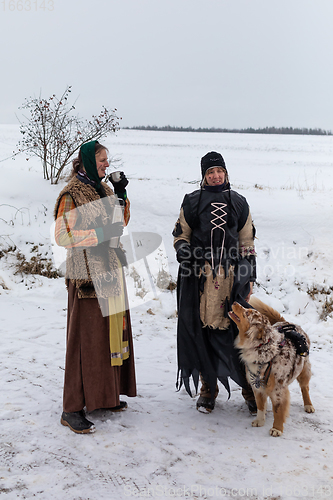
{"points": [[249, 130]]}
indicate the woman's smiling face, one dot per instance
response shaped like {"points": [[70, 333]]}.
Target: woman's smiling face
{"points": [[215, 176], [101, 163]]}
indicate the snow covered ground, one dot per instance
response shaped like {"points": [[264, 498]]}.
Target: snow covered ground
{"points": [[161, 447]]}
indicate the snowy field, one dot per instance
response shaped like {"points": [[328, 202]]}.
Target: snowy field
{"points": [[161, 447]]}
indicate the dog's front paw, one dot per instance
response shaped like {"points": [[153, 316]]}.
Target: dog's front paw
{"points": [[258, 422], [275, 432], [309, 409]]}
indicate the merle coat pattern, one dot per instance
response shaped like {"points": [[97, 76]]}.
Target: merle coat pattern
{"points": [[271, 364]]}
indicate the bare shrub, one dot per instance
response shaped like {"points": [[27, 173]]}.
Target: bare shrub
{"points": [[318, 292], [53, 133], [36, 265]]}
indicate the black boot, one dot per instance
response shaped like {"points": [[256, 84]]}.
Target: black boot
{"points": [[122, 406], [205, 402], [77, 422], [205, 405], [252, 406], [248, 395]]}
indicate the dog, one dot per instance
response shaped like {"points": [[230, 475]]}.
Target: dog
{"points": [[273, 360]]}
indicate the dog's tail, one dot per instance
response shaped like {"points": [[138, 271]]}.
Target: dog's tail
{"points": [[273, 315]]}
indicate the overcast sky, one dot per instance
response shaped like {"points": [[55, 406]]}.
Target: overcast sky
{"points": [[199, 63]]}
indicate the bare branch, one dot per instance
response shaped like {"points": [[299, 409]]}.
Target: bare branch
{"points": [[53, 133]]}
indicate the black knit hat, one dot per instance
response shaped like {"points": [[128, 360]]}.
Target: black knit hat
{"points": [[211, 160]]}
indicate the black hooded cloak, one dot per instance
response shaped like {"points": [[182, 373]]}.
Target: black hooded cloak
{"points": [[205, 350]]}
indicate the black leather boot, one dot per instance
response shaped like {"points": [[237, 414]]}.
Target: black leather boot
{"points": [[77, 422]]}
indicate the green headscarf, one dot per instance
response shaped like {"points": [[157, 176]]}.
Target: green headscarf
{"points": [[89, 162]]}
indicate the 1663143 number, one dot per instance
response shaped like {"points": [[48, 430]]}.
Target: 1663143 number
{"points": [[27, 5], [317, 493]]}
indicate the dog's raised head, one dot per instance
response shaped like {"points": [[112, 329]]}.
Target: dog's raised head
{"points": [[245, 319]]}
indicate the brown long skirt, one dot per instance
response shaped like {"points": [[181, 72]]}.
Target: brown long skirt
{"points": [[90, 380]]}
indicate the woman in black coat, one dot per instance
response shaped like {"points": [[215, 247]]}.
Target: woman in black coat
{"points": [[214, 241]]}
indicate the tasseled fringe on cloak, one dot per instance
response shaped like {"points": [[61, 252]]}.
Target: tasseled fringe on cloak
{"points": [[184, 375]]}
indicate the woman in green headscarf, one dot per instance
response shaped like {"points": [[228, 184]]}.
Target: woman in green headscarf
{"points": [[99, 354]]}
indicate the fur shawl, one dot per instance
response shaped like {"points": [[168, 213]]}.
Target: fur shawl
{"points": [[95, 271]]}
